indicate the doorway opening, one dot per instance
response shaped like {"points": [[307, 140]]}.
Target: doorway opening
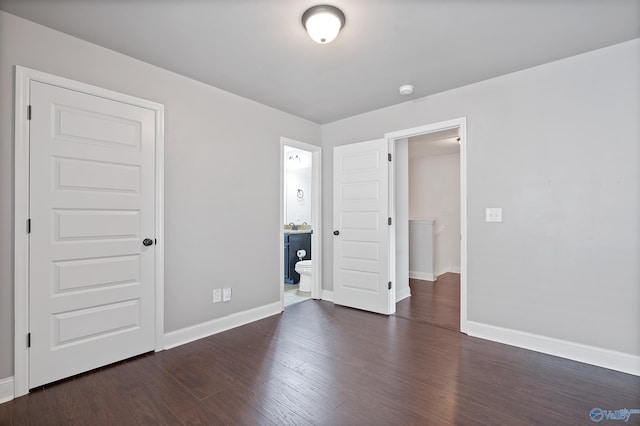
{"points": [[428, 199], [300, 221], [434, 229]]}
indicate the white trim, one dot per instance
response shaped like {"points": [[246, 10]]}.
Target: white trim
{"points": [[403, 294], [218, 325], [23, 78], [280, 281], [600, 357], [416, 275], [6, 389], [316, 215], [391, 211], [428, 128], [159, 216], [433, 277], [327, 295], [450, 269], [463, 225], [461, 124], [20, 236]]}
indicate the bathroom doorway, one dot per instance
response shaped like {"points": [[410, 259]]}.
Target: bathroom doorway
{"points": [[300, 222]]}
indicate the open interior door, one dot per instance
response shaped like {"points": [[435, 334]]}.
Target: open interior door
{"points": [[361, 227]]}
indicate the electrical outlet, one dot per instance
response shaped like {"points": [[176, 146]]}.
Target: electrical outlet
{"points": [[494, 214], [217, 295], [226, 294]]}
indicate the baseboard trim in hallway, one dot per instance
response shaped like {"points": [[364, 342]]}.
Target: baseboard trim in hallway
{"points": [[6, 389], [403, 294]]}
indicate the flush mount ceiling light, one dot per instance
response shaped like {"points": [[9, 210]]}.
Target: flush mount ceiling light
{"points": [[323, 23]]}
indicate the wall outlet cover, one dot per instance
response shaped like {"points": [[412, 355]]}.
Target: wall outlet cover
{"points": [[494, 214], [217, 295], [226, 294]]}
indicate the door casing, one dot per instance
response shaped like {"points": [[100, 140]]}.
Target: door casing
{"points": [[461, 124], [23, 78], [316, 215]]}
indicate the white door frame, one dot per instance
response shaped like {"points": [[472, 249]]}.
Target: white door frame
{"points": [[460, 123], [24, 76], [316, 215]]}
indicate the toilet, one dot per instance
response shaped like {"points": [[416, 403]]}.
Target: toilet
{"points": [[303, 267]]}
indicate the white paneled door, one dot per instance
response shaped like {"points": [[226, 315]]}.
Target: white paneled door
{"points": [[361, 227], [91, 288]]}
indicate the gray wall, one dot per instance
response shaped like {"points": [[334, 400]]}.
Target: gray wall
{"points": [[557, 147], [434, 193], [222, 166]]}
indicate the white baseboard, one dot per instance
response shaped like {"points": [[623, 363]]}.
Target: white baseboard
{"points": [[416, 275], [218, 325], [327, 295], [450, 269], [403, 294], [6, 389], [606, 358]]}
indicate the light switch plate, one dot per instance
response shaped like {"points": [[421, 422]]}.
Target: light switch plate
{"points": [[494, 214], [226, 294], [217, 295]]}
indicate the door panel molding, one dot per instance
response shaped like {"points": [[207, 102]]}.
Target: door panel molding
{"points": [[23, 78], [361, 217]]}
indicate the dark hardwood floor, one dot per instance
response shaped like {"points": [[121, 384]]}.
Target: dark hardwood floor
{"points": [[433, 302], [323, 364]]}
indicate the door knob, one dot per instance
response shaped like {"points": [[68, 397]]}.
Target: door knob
{"points": [[147, 241], [336, 232]]}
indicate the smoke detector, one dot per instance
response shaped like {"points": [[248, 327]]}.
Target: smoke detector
{"points": [[406, 89]]}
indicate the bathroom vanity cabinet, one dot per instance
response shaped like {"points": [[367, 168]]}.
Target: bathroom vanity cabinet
{"points": [[293, 243]]}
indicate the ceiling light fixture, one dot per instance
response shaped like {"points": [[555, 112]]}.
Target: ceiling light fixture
{"points": [[323, 23], [406, 89]]}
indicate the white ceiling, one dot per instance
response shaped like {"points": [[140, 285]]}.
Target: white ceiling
{"points": [[437, 143], [258, 48]]}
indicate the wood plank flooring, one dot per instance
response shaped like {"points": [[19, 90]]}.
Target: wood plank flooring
{"points": [[433, 302], [323, 364]]}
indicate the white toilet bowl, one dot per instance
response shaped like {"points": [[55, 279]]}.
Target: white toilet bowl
{"points": [[303, 267]]}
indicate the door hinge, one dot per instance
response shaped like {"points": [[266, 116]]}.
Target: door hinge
{"points": [[29, 112], [389, 285], [389, 221], [28, 340], [28, 226], [389, 156]]}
